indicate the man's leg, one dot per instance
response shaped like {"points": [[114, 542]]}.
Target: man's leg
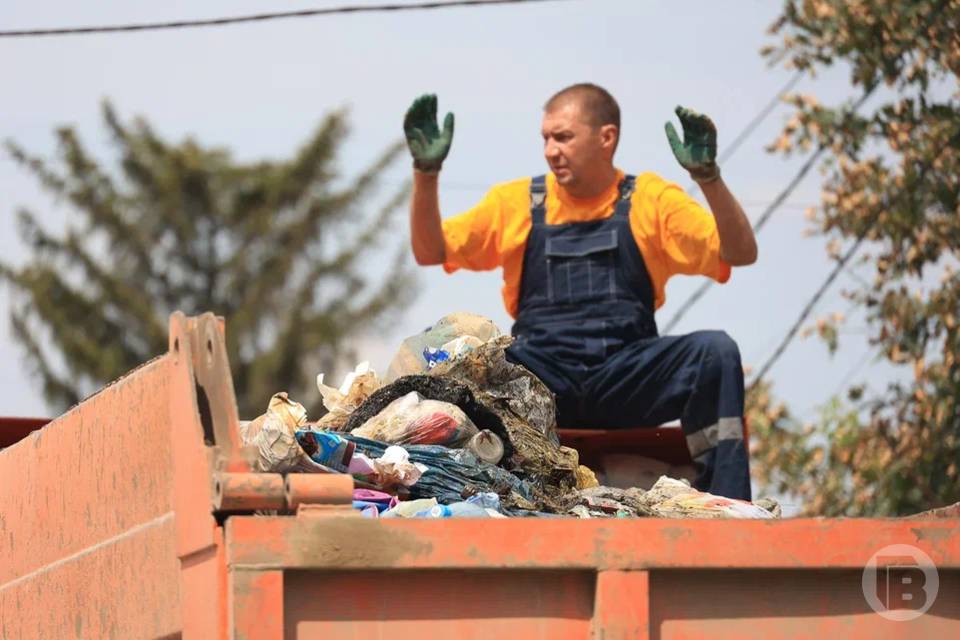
{"points": [[697, 378]]}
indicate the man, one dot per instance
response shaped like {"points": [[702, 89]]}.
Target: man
{"points": [[586, 252]]}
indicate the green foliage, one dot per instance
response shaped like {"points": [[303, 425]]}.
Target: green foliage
{"points": [[281, 249], [892, 182]]}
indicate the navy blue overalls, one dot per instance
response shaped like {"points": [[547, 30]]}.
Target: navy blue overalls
{"points": [[585, 327]]}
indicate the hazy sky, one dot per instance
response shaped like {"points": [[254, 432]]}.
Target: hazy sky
{"points": [[260, 89]]}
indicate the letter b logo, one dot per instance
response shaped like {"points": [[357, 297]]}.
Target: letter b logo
{"points": [[900, 582]]}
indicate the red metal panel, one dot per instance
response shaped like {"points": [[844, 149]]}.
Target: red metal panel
{"points": [[621, 609], [667, 444], [424, 605], [13, 430], [192, 462], [200, 387], [787, 605], [126, 586], [90, 490], [79, 495], [94, 473], [256, 605], [204, 592], [654, 578], [565, 543]]}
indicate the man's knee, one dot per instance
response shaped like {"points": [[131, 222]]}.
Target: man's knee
{"points": [[718, 346]]}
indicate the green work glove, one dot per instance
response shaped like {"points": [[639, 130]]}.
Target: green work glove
{"points": [[428, 145], [698, 151]]}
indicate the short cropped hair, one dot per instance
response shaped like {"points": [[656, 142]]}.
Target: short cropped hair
{"points": [[597, 104]]}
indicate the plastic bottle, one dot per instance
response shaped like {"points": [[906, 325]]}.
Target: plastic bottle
{"points": [[485, 499], [439, 511], [454, 510], [487, 446], [467, 510]]}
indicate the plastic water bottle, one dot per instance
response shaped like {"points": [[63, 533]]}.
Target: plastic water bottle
{"points": [[467, 510], [439, 511]]}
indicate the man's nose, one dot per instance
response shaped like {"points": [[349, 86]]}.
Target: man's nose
{"points": [[551, 149]]}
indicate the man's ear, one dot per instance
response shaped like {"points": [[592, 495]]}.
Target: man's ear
{"points": [[609, 136]]}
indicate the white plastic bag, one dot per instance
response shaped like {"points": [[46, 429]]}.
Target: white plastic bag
{"points": [[452, 335], [459, 346], [394, 468], [341, 402]]}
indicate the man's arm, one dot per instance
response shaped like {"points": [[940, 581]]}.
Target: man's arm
{"points": [[738, 245], [429, 147], [697, 154], [426, 231]]}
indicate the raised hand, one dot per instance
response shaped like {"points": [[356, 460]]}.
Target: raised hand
{"points": [[428, 145], [698, 151]]}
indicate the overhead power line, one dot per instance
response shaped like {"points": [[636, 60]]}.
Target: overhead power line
{"points": [[757, 119], [807, 309], [868, 354], [698, 294], [259, 17], [841, 264], [762, 220], [764, 217]]}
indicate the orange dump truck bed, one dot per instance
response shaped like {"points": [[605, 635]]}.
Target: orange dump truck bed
{"points": [[131, 516]]}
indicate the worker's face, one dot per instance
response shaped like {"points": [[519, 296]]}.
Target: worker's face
{"points": [[575, 150]]}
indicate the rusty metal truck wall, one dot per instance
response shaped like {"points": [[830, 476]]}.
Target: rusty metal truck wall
{"points": [[86, 519], [129, 517]]}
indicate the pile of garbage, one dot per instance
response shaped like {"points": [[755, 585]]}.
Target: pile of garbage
{"points": [[456, 430]]}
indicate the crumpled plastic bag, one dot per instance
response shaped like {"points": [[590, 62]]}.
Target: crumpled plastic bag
{"points": [[410, 419], [273, 434], [671, 498], [459, 346], [341, 402], [451, 336], [394, 468]]}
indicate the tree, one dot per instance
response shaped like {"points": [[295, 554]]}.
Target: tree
{"points": [[279, 248], [892, 192]]}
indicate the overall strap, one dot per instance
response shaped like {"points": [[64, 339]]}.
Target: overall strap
{"points": [[538, 196], [623, 202]]}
